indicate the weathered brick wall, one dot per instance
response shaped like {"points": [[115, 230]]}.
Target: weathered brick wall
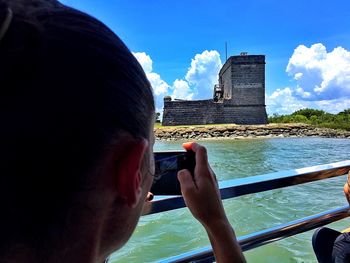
{"points": [[248, 82], [244, 114], [209, 112], [225, 79], [251, 96], [243, 78], [191, 112]]}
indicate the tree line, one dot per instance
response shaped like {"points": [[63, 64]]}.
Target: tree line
{"points": [[315, 117]]}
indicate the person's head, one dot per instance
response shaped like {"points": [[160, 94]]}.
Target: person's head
{"points": [[75, 109]]}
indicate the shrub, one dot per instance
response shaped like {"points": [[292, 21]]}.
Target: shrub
{"points": [[299, 118], [309, 112], [344, 112], [314, 119], [319, 118]]}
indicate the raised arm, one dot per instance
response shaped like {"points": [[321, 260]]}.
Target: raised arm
{"points": [[202, 197]]}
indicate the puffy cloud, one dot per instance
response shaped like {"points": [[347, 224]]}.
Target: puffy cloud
{"points": [[181, 90], [203, 73], [302, 93], [322, 81], [198, 82], [200, 78], [298, 76], [145, 61], [320, 75], [333, 106], [282, 101], [160, 87]]}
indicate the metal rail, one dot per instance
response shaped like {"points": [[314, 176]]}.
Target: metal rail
{"points": [[260, 183], [254, 184], [267, 236]]}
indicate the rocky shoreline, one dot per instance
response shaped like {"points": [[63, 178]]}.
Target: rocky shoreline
{"points": [[232, 131]]}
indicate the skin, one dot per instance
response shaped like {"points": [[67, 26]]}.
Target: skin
{"points": [[211, 213], [347, 189], [131, 197]]}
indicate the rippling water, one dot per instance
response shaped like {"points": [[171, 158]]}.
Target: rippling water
{"points": [[163, 235]]}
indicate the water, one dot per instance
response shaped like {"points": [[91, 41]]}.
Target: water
{"points": [[163, 235]]}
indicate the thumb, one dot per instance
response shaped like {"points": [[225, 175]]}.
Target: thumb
{"points": [[346, 192], [186, 181]]}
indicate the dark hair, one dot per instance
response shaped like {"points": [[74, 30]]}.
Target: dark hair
{"points": [[68, 85]]}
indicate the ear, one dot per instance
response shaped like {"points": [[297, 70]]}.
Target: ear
{"points": [[129, 171]]}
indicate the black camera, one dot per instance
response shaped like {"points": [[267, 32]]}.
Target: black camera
{"points": [[167, 164]]}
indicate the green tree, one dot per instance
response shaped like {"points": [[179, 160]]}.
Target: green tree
{"points": [[299, 118], [344, 112], [319, 118], [314, 119], [309, 112]]}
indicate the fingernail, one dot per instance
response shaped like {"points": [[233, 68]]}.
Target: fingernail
{"points": [[187, 145], [181, 172]]}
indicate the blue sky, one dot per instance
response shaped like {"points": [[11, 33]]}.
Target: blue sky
{"points": [[181, 45]]}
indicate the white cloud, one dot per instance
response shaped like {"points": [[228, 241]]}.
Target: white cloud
{"points": [[320, 75], [282, 101], [160, 87], [333, 106], [181, 90], [203, 73], [145, 61], [302, 93], [322, 81], [298, 76], [198, 82]]}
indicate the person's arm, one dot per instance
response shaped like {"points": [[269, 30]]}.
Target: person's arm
{"points": [[224, 243], [202, 197]]}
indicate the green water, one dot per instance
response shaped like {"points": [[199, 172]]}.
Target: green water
{"points": [[163, 235]]}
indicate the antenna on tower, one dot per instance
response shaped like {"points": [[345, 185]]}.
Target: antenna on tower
{"points": [[226, 50]]}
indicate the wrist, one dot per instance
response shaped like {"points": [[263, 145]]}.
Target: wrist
{"points": [[221, 226]]}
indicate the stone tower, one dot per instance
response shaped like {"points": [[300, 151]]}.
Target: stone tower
{"points": [[243, 80], [239, 98]]}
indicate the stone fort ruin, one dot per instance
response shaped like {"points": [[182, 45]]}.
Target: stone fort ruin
{"points": [[238, 98]]}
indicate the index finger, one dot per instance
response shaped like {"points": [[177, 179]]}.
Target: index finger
{"points": [[199, 150]]}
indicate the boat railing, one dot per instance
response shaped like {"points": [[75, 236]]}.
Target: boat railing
{"points": [[260, 183]]}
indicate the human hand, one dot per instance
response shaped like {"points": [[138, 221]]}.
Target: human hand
{"points": [[347, 188], [200, 192], [202, 197]]}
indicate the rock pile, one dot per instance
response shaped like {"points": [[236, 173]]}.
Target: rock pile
{"points": [[246, 131]]}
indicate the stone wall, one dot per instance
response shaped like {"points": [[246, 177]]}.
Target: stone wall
{"points": [[244, 114], [225, 80], [210, 112], [191, 112], [247, 75]]}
